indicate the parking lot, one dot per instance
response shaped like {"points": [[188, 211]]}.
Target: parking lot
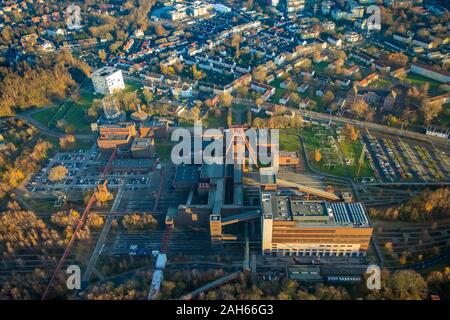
{"points": [[74, 162], [84, 170], [398, 159]]}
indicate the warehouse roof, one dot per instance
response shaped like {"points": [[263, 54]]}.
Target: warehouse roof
{"points": [[314, 212], [304, 273], [132, 163], [187, 174]]}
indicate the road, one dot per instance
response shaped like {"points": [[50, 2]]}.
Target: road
{"points": [[102, 238], [406, 183], [356, 123], [374, 127], [27, 116]]}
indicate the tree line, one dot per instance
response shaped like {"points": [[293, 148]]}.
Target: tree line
{"points": [[425, 206], [47, 79]]}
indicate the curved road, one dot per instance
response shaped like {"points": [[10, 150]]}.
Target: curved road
{"points": [[27, 116]]}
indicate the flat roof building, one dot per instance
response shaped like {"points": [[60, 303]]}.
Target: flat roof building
{"points": [[186, 176], [107, 80], [142, 148], [132, 165], [268, 178], [291, 7], [111, 108], [116, 135], [295, 227], [305, 273], [288, 158]]}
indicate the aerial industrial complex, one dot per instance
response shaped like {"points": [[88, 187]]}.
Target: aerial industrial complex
{"points": [[169, 147]]}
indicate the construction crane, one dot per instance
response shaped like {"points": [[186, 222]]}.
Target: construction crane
{"points": [[77, 229]]}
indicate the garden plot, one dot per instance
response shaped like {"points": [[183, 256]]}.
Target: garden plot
{"points": [[338, 154]]}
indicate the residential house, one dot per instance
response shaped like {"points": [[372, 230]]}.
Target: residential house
{"points": [[303, 87], [334, 40], [438, 132], [285, 99], [429, 72]]}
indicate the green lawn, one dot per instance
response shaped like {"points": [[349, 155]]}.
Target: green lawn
{"points": [[163, 150], [44, 116], [74, 117], [380, 83], [79, 144], [42, 205], [321, 66], [131, 86], [214, 122], [419, 80], [349, 149], [279, 92], [239, 114], [289, 141]]}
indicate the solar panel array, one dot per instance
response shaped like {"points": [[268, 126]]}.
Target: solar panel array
{"points": [[349, 213]]}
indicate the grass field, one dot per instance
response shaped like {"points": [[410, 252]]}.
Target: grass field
{"points": [[212, 121], [354, 149], [163, 150], [321, 66], [131, 86], [289, 141], [44, 116], [380, 83], [79, 145], [419, 80], [74, 117], [239, 114], [349, 149], [43, 205], [279, 92]]}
